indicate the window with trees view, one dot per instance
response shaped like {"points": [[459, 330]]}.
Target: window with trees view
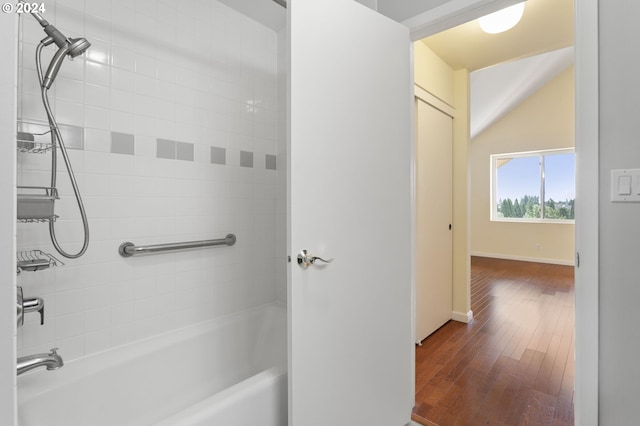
{"points": [[533, 186]]}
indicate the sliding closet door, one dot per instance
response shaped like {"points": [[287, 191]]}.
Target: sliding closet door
{"points": [[434, 213]]}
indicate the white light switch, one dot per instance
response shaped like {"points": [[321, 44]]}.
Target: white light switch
{"points": [[625, 185]]}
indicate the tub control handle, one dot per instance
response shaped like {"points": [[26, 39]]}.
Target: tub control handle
{"points": [[305, 259], [34, 304], [29, 304], [20, 308]]}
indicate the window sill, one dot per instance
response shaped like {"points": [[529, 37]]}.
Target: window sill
{"points": [[540, 221]]}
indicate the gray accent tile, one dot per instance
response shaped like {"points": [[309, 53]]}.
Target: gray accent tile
{"points": [[246, 159], [270, 162], [166, 149], [73, 136], [184, 151], [218, 155], [122, 143]]}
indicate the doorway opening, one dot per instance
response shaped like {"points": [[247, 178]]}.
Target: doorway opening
{"points": [[537, 68]]}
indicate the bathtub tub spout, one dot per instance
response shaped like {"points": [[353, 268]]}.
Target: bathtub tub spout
{"points": [[52, 361]]}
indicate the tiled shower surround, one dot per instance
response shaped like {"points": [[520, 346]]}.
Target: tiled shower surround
{"points": [[174, 122]]}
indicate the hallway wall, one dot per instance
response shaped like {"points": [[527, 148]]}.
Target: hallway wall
{"points": [[619, 233]]}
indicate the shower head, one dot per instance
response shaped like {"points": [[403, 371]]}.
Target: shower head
{"points": [[71, 47], [77, 46]]}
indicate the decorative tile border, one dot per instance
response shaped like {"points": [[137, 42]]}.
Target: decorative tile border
{"points": [[246, 159], [270, 162], [184, 151], [166, 148], [122, 143], [218, 155]]}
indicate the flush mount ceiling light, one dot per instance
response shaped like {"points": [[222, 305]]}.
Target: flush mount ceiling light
{"points": [[502, 20]]}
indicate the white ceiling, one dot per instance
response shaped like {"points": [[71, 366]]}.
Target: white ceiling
{"points": [[274, 16], [401, 10]]}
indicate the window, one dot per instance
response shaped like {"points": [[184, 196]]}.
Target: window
{"points": [[533, 186]]}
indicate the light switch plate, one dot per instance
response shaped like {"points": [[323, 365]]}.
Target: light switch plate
{"points": [[625, 186]]}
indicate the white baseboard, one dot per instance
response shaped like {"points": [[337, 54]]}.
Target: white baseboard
{"points": [[462, 317], [523, 258]]}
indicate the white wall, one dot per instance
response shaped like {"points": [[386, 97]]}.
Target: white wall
{"points": [[619, 234], [192, 72], [8, 51], [543, 121]]}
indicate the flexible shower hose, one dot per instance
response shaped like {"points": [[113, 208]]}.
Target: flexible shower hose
{"points": [[56, 137]]}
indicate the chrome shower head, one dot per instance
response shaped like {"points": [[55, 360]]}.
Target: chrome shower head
{"points": [[71, 47], [77, 46]]}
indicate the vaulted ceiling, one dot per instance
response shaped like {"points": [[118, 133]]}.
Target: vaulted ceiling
{"points": [[497, 90], [510, 66], [546, 25]]}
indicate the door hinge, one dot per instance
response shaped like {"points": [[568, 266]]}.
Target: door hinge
{"points": [[577, 259]]}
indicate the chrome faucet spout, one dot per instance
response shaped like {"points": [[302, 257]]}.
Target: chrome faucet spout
{"points": [[52, 361]]}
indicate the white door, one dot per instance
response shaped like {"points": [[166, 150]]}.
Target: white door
{"points": [[434, 212], [350, 176]]}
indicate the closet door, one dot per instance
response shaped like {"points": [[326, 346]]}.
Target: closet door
{"points": [[434, 213]]}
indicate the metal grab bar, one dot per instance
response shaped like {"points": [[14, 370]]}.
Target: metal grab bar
{"points": [[129, 249]]}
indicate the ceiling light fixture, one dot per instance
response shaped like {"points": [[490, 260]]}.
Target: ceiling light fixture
{"points": [[502, 20]]}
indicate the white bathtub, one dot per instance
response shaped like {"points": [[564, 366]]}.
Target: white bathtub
{"points": [[229, 371]]}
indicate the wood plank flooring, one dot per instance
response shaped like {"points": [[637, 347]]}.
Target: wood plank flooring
{"points": [[513, 364]]}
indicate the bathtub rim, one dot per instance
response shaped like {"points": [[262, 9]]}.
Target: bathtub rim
{"points": [[271, 376], [34, 384]]}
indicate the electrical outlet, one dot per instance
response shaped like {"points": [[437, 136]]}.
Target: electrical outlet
{"points": [[537, 247]]}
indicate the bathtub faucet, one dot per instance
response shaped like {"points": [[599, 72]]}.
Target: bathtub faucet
{"points": [[52, 361]]}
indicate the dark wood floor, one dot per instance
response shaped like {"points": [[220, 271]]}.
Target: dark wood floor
{"points": [[513, 364]]}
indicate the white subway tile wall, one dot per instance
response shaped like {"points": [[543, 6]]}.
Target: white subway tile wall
{"points": [[195, 75], [277, 125]]}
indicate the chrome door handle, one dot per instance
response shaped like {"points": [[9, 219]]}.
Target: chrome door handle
{"points": [[305, 259]]}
